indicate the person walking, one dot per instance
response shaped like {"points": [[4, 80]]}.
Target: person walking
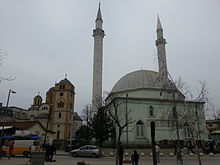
{"points": [[11, 148], [47, 154], [157, 153], [120, 153], [134, 158], [52, 151]]}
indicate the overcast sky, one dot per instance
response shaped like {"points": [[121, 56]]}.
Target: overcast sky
{"points": [[46, 39]]}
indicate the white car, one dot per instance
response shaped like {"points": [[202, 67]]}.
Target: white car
{"points": [[87, 151]]}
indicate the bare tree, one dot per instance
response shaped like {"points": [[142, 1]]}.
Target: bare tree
{"points": [[2, 56], [120, 115], [86, 114], [189, 117]]}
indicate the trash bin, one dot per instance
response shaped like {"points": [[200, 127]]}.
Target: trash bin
{"points": [[37, 158]]}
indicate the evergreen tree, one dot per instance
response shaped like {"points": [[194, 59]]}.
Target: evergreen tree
{"points": [[102, 126], [84, 133]]}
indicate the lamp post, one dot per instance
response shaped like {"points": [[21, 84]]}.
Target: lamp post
{"points": [[4, 117], [48, 120]]}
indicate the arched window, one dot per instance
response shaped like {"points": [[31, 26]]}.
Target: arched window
{"points": [[60, 104], [139, 129], [59, 115], [151, 111]]}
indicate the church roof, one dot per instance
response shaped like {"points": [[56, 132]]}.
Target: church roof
{"points": [[38, 96], [65, 81], [141, 79], [77, 117]]}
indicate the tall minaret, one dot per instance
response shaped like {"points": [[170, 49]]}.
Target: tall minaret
{"points": [[160, 43], [98, 34]]}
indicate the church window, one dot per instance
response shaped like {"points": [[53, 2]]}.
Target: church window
{"points": [[161, 93], [61, 93], [60, 104], [139, 129], [59, 115], [58, 134], [58, 126], [62, 86], [151, 111]]}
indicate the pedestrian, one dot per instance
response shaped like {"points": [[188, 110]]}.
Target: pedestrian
{"points": [[179, 157], [157, 153], [11, 148], [52, 151], [134, 158], [120, 153], [47, 154]]}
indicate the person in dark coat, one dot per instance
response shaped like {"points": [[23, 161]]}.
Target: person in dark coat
{"points": [[47, 154], [134, 158], [120, 153], [52, 151]]}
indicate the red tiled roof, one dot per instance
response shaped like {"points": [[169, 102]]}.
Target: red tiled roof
{"points": [[24, 125]]}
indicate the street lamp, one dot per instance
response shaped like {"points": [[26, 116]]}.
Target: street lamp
{"points": [[48, 120], [4, 117]]}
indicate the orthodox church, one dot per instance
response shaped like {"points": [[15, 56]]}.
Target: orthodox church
{"points": [[57, 113], [143, 96]]}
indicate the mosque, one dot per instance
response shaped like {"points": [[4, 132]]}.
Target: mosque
{"points": [[143, 96]]}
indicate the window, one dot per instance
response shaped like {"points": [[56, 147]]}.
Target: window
{"points": [[151, 111], [61, 94], [59, 115], [62, 86], [58, 126], [161, 93], [60, 104], [139, 129], [58, 134]]}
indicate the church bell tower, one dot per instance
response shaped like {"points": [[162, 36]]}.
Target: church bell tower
{"points": [[98, 34]]}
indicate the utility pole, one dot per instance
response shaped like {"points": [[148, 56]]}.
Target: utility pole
{"points": [[152, 125], [48, 120]]}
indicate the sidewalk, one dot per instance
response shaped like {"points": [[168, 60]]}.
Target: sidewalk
{"points": [[68, 160]]}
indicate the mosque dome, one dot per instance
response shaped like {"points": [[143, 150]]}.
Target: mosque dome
{"points": [[141, 79]]}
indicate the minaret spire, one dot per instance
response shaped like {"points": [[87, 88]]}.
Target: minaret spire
{"points": [[99, 20], [160, 43], [98, 34], [159, 26]]}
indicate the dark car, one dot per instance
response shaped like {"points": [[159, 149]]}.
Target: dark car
{"points": [[87, 151]]}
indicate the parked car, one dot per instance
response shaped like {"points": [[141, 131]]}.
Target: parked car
{"points": [[87, 151], [69, 148]]}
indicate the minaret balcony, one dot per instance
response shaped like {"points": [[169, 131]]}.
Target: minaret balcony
{"points": [[160, 41], [98, 32]]}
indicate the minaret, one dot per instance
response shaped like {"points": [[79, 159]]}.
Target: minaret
{"points": [[160, 43], [98, 34]]}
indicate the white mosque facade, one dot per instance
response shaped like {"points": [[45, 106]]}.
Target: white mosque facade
{"points": [[147, 96]]}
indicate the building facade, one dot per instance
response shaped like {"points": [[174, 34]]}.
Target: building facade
{"points": [[58, 110], [146, 96]]}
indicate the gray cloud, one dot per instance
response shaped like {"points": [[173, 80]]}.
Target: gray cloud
{"points": [[45, 39]]}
